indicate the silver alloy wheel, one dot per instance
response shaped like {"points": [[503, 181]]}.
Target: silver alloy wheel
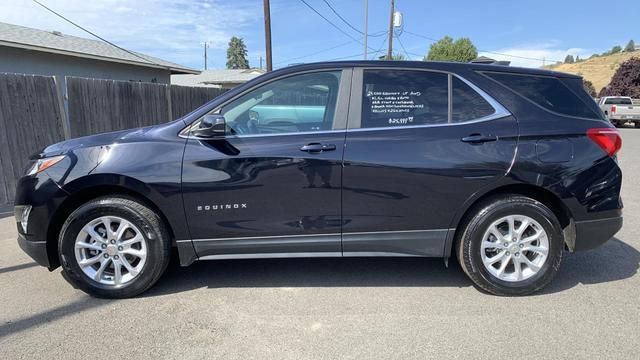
{"points": [[514, 248], [111, 250]]}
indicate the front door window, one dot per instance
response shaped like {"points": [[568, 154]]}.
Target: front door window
{"points": [[300, 103]]}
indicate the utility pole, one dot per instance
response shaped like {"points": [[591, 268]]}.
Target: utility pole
{"points": [[206, 45], [366, 26], [260, 62], [267, 33], [390, 48]]}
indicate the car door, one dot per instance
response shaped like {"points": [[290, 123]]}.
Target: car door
{"points": [[419, 144], [271, 187]]}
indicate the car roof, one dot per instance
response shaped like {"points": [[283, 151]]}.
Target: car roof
{"points": [[431, 65]]}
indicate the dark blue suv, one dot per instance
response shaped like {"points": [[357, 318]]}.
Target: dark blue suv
{"points": [[504, 167]]}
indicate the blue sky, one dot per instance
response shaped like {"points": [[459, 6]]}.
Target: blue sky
{"points": [[174, 30]]}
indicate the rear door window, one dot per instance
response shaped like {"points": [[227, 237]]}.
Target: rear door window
{"points": [[396, 98], [546, 91]]}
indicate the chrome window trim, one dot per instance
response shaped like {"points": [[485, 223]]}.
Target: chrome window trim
{"points": [[344, 85], [355, 107]]}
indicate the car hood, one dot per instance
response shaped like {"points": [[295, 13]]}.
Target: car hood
{"points": [[64, 147]]}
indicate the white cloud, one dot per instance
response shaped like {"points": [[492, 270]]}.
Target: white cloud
{"points": [[169, 29], [531, 55]]}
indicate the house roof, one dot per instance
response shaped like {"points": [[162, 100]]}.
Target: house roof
{"points": [[217, 77], [58, 43]]}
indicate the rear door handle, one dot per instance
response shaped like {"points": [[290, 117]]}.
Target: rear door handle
{"points": [[317, 147], [479, 138]]}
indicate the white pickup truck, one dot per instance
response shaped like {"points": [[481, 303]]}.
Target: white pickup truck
{"points": [[620, 109]]}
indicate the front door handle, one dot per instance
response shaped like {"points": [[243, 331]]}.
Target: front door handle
{"points": [[479, 138], [317, 147]]}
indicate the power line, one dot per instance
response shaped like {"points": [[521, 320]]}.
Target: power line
{"points": [[328, 21], [402, 46], [341, 18], [325, 50], [485, 51], [384, 41], [316, 53], [331, 23], [95, 35], [346, 57], [517, 56]]}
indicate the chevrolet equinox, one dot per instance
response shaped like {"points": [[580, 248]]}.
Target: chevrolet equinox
{"points": [[504, 168]]}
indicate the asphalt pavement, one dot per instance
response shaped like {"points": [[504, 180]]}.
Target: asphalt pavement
{"points": [[334, 308]]}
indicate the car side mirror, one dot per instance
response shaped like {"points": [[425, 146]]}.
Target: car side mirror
{"points": [[211, 126]]}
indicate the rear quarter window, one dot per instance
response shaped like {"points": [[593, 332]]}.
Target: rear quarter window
{"points": [[546, 91]]}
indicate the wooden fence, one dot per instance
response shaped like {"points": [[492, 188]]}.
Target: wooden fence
{"points": [[30, 118], [33, 114]]}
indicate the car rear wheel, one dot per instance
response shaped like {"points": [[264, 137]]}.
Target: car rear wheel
{"points": [[511, 245], [113, 247]]}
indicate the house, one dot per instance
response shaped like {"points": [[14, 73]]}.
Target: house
{"points": [[32, 51], [225, 78]]}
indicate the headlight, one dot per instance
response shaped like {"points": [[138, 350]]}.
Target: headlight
{"points": [[43, 164]]}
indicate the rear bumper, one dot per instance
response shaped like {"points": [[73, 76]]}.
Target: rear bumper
{"points": [[592, 233], [36, 249]]}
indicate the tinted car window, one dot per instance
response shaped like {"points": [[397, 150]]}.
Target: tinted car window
{"points": [[298, 103], [548, 92], [404, 98], [467, 103], [618, 101]]}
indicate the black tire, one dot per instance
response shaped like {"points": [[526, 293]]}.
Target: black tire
{"points": [[154, 232], [474, 227], [637, 124]]}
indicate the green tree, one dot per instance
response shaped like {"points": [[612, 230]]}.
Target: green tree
{"points": [[589, 88], [616, 49], [237, 54], [631, 46], [398, 57], [569, 59], [625, 81], [445, 49]]}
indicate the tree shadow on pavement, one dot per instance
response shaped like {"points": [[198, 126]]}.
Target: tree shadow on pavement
{"points": [[614, 261], [87, 303], [17, 267]]}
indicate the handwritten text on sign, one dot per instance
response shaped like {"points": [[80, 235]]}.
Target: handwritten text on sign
{"points": [[397, 104]]}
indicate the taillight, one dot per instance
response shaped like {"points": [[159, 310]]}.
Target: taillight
{"points": [[613, 109], [607, 138]]}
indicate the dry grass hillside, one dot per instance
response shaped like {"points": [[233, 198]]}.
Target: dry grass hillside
{"points": [[598, 70]]}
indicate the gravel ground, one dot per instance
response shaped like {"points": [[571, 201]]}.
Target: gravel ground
{"points": [[334, 308]]}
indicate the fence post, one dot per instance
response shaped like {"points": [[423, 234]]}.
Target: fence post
{"points": [[64, 117], [169, 105]]}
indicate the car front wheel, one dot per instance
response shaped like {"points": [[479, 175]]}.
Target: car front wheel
{"points": [[113, 247], [511, 245]]}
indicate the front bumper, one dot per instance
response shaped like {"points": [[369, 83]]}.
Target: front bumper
{"points": [[592, 233], [36, 249]]}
